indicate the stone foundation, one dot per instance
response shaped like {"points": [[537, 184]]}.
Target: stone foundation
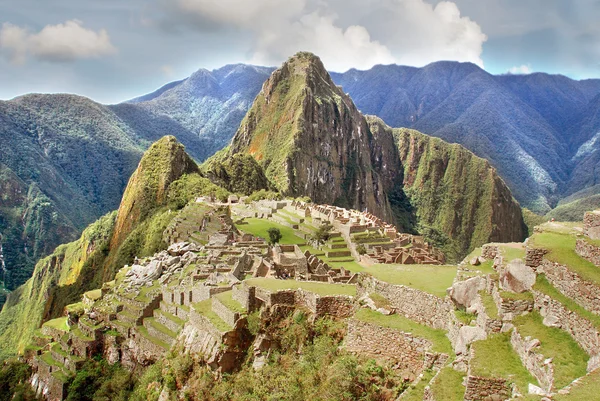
{"points": [[539, 366], [487, 389], [534, 256], [417, 305]]}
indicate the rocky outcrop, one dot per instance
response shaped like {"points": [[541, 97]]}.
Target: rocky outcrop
{"points": [[517, 277]]}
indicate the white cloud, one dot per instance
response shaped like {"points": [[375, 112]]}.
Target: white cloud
{"points": [[57, 43], [409, 32], [522, 69]]}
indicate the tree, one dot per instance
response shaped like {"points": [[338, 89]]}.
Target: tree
{"points": [[274, 235], [323, 232]]}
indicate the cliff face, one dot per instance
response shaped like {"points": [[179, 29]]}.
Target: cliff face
{"points": [[311, 140], [459, 199]]}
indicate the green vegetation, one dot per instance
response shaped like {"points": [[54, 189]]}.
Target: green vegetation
{"points": [[570, 209], [260, 227], [486, 267], [511, 252], [238, 173], [448, 385], [432, 279], [191, 186], [561, 247], [495, 357], [312, 286], [379, 300], [58, 323], [205, 309], [437, 337], [14, 382], [465, 317], [533, 219], [488, 303], [586, 389], [415, 391], [439, 189], [226, 299], [523, 296], [543, 285], [274, 235], [97, 380], [570, 361]]}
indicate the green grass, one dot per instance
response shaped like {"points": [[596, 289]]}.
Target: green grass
{"points": [[485, 268], [78, 333], [57, 348], [226, 299], [432, 279], [259, 227], [570, 361], [312, 286], [488, 303], [170, 316], [94, 295], [144, 332], [511, 253], [587, 389], [49, 360], [205, 308], [543, 285], [465, 317], [448, 386], [160, 327], [58, 323], [379, 300], [415, 392], [495, 357], [523, 296], [75, 308], [437, 337], [561, 249]]}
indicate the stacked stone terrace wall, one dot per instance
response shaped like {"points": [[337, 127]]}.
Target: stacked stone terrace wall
{"points": [[534, 256], [582, 330], [389, 344], [591, 224], [588, 251], [489, 251], [228, 316], [487, 389], [417, 305], [585, 293], [539, 366]]}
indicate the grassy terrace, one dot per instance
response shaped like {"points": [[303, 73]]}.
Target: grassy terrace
{"points": [[172, 317], [226, 299], [205, 309], [587, 389], [259, 227], [448, 386], [495, 357], [543, 285], [512, 252], [415, 392], [437, 337], [485, 268], [144, 332], [570, 361], [160, 327], [94, 295], [561, 247], [58, 323], [488, 303], [47, 358], [313, 286], [432, 279]]}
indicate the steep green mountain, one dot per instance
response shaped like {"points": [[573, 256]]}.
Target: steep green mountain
{"points": [[312, 141], [165, 179]]}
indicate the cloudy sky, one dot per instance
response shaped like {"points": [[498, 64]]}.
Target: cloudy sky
{"points": [[113, 50]]}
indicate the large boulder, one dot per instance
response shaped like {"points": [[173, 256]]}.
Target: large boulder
{"points": [[466, 336], [464, 293], [517, 277]]}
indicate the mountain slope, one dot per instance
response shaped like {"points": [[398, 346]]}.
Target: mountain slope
{"points": [[164, 174], [312, 141]]}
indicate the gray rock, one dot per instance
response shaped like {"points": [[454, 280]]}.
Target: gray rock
{"points": [[464, 293], [517, 277], [466, 336]]}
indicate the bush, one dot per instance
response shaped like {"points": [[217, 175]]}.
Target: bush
{"points": [[323, 232], [274, 235], [360, 248]]}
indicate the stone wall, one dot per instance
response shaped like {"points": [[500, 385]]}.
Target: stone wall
{"points": [[417, 305], [588, 251], [534, 256], [403, 349], [591, 224], [582, 330], [228, 316], [338, 306], [489, 251], [585, 293], [487, 389], [539, 366]]}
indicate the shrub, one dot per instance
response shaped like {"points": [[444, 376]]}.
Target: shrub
{"points": [[274, 235]]}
